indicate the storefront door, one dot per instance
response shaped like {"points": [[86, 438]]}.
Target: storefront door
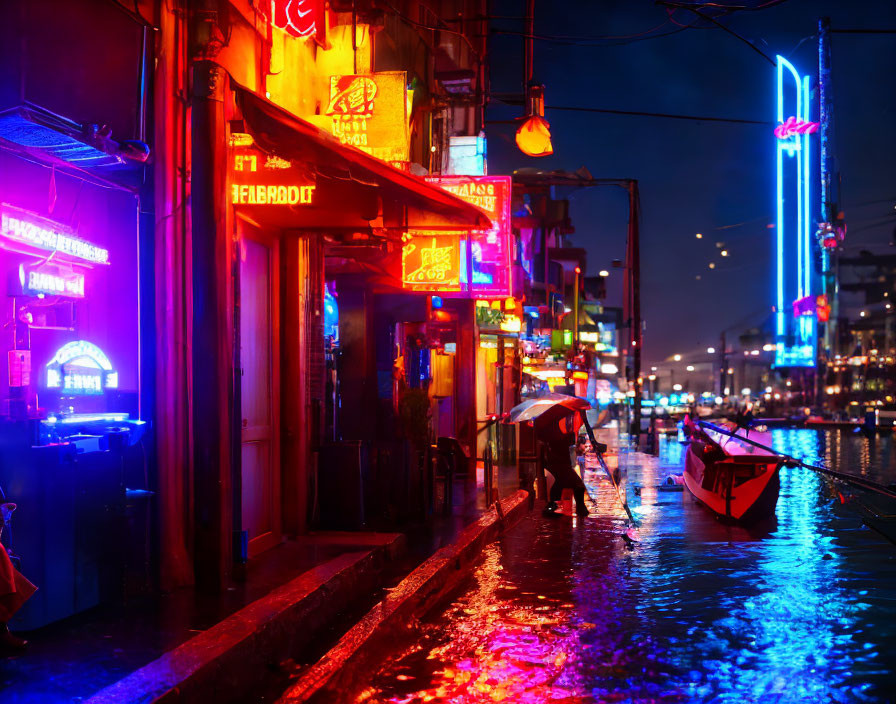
{"points": [[259, 362]]}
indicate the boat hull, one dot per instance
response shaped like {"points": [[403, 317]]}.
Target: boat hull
{"points": [[736, 488]]}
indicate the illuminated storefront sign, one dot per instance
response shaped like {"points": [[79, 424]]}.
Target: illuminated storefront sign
{"points": [[81, 368], [430, 261], [298, 18], [370, 112], [795, 336], [51, 280], [490, 249], [21, 227], [266, 179]]}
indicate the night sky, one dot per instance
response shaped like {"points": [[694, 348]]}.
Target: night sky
{"points": [[698, 176]]}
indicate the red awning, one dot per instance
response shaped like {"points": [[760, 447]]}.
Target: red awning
{"points": [[278, 131]]}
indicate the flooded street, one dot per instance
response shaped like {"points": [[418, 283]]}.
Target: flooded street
{"points": [[799, 610]]}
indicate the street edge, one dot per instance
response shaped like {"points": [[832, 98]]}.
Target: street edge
{"points": [[215, 662], [344, 667]]}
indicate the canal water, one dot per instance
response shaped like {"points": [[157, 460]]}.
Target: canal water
{"points": [[801, 609]]}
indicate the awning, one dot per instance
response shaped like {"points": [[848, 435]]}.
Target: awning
{"points": [[278, 131]]}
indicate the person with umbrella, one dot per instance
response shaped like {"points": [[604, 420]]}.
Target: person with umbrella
{"points": [[556, 430]]}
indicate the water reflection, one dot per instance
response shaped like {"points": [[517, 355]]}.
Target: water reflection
{"points": [[801, 609]]}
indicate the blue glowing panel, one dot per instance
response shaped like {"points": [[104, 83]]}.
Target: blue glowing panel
{"points": [[795, 336]]}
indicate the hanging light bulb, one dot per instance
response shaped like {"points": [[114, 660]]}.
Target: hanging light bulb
{"points": [[533, 137]]}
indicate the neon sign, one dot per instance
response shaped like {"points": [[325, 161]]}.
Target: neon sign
{"points": [[430, 261], [795, 336], [81, 368], [490, 249], [260, 194], [51, 280], [370, 112], [792, 127], [295, 17], [22, 227], [278, 180]]}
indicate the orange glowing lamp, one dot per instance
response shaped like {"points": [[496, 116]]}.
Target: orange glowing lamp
{"points": [[534, 137]]}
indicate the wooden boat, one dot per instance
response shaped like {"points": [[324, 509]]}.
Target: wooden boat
{"points": [[733, 479]]}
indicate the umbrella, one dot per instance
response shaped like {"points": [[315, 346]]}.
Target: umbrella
{"points": [[532, 408]]}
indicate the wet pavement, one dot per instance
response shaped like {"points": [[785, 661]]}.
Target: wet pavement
{"points": [[801, 609]]}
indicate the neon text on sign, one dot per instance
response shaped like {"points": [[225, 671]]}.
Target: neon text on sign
{"points": [[48, 280], [32, 230], [795, 336], [431, 261], [260, 194], [295, 17], [81, 368], [792, 127], [490, 249]]}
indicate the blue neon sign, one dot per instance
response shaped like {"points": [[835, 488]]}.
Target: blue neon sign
{"points": [[795, 336]]}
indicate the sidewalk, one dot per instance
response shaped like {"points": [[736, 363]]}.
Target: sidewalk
{"points": [[312, 586], [73, 659]]}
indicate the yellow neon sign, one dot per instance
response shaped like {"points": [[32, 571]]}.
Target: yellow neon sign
{"points": [[261, 194]]}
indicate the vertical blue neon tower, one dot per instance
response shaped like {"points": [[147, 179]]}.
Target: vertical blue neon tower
{"points": [[795, 336]]}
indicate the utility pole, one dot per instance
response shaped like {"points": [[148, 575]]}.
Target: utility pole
{"points": [[830, 184], [634, 265]]}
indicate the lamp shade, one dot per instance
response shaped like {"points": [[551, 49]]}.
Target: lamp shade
{"points": [[534, 137]]}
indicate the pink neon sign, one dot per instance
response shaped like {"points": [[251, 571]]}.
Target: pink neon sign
{"points": [[792, 126], [295, 17]]}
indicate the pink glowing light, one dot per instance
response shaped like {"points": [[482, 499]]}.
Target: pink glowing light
{"points": [[295, 17], [792, 126]]}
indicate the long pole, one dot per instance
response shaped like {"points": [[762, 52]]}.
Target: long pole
{"points": [[829, 179], [634, 251], [575, 314]]}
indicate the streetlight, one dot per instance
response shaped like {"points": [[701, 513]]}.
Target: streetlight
{"points": [[677, 358]]}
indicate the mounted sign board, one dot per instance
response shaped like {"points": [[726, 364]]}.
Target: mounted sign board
{"points": [[431, 261], [491, 249], [369, 112], [25, 232]]}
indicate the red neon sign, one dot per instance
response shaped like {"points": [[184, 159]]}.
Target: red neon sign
{"points": [[490, 249], [792, 127], [295, 17], [430, 261]]}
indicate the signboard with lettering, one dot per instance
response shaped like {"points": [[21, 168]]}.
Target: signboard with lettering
{"points": [[266, 179], [49, 279], [491, 249], [370, 112], [431, 261], [24, 231]]}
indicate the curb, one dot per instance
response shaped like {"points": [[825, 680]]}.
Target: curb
{"points": [[342, 671], [223, 663]]}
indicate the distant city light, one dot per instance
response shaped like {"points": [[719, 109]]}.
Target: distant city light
{"points": [[710, 350], [690, 367], [862, 314], [724, 253], [699, 236], [712, 265], [745, 392], [676, 387], [604, 273], [769, 348], [677, 358]]}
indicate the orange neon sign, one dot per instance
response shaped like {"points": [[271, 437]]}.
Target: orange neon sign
{"points": [[263, 194], [430, 261], [259, 178]]}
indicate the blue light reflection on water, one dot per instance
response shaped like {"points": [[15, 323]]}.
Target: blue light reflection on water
{"points": [[800, 609]]}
